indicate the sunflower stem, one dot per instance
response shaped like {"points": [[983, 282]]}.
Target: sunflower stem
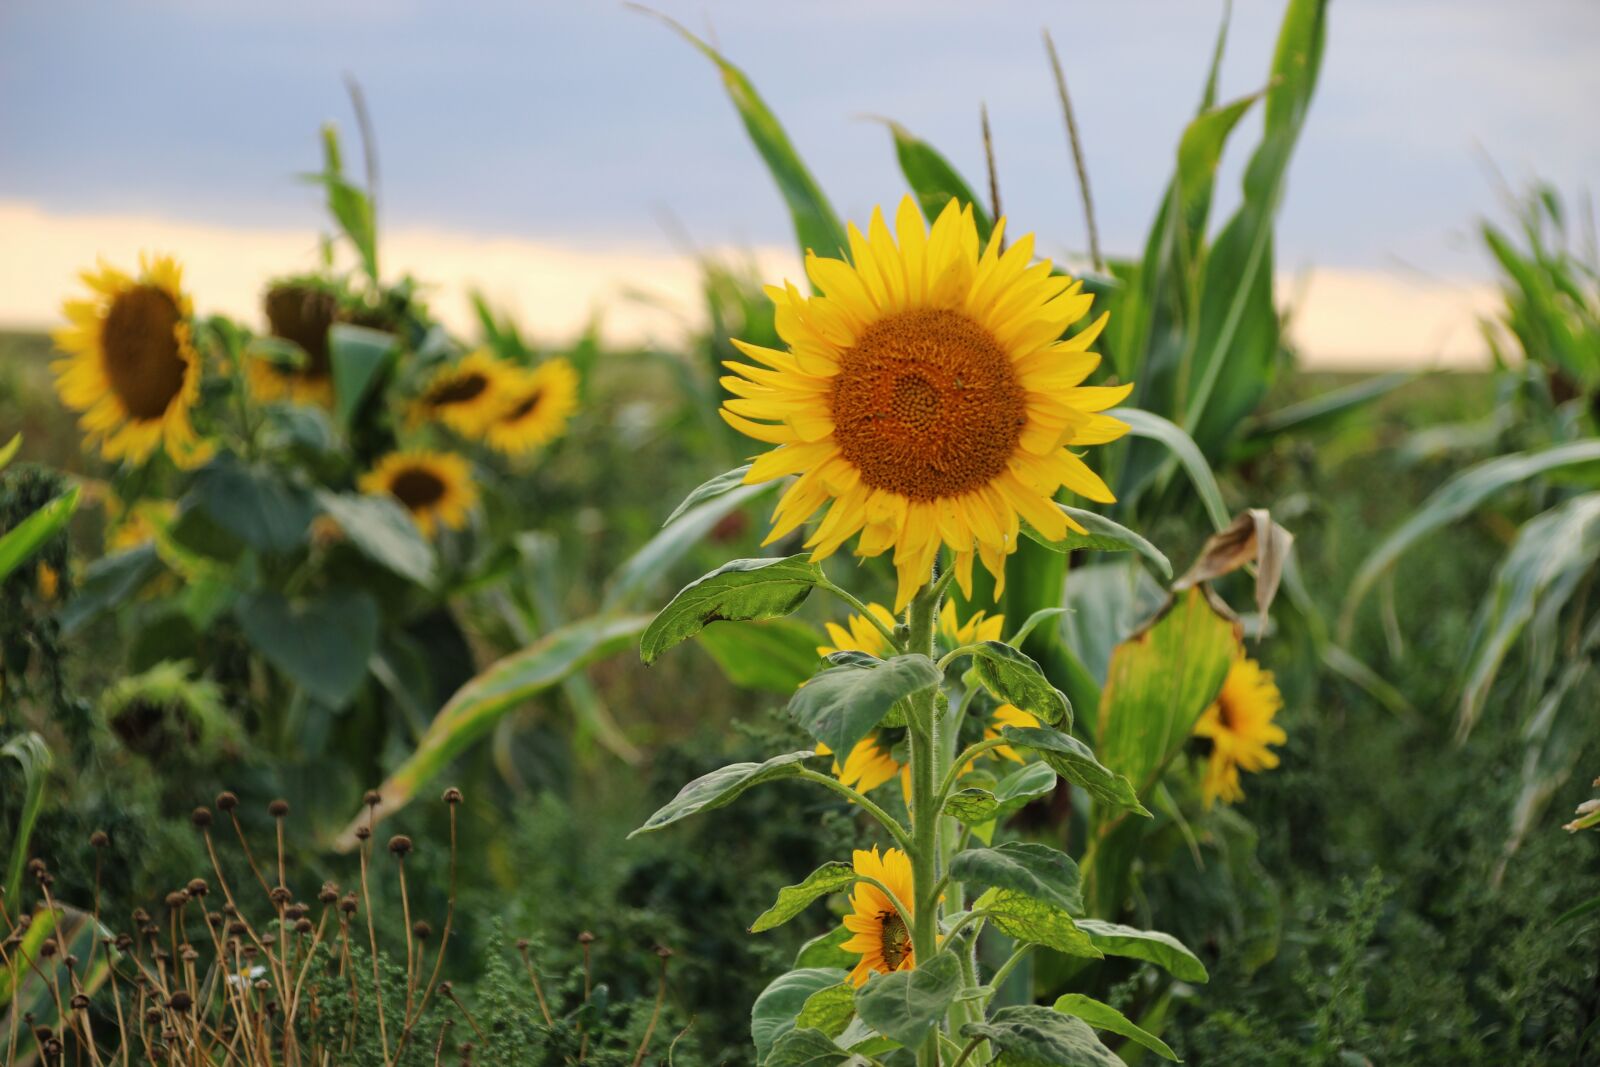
{"points": [[926, 732]]}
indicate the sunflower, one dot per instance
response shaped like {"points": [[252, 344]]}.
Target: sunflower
{"points": [[882, 938], [536, 408], [1239, 726], [858, 634], [466, 396], [978, 628], [131, 365], [927, 394], [303, 314], [131, 525], [1008, 715], [436, 487]]}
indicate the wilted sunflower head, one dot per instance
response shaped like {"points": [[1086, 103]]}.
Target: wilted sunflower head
{"points": [[465, 396], [435, 487], [881, 936], [926, 397], [302, 312], [131, 366], [537, 405], [1239, 725]]}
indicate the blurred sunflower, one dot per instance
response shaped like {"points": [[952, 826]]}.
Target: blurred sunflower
{"points": [[882, 939], [467, 396], [978, 628], [131, 525], [131, 365], [858, 634], [1008, 715], [928, 396], [1239, 726], [301, 312], [436, 487], [871, 762], [536, 408]]}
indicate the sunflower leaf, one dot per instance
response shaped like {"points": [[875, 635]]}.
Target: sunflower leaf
{"points": [[842, 704], [380, 528], [1152, 946], [906, 1005], [1026, 783], [358, 357], [1032, 869], [776, 655], [1072, 760], [108, 582], [829, 1010], [774, 1012], [972, 806], [793, 899], [805, 1047], [1104, 535], [824, 951], [255, 504], [743, 590], [322, 644], [1014, 677], [1031, 1035], [722, 787], [1103, 1016], [725, 482]]}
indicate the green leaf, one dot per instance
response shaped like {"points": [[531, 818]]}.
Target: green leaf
{"points": [[383, 531], [1319, 413], [1105, 535], [8, 451], [1454, 500], [743, 590], [824, 951], [815, 224], [1013, 676], [725, 482], [33, 756], [776, 655], [905, 1006], [973, 806], [1103, 1016], [793, 899], [196, 533], [1025, 784], [722, 787], [1149, 425], [829, 1010], [359, 357], [1028, 919], [322, 644], [933, 180], [19, 543], [1026, 867], [648, 566], [1152, 946], [775, 1010], [1159, 682], [108, 582], [805, 1048], [255, 504], [1032, 623], [1031, 1035], [1074, 761], [844, 703]]}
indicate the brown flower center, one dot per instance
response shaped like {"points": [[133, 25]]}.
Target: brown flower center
{"points": [[417, 488], [304, 316], [457, 390], [524, 407], [926, 404], [143, 362], [896, 939]]}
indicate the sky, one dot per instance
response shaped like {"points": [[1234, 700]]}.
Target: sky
{"points": [[556, 151]]}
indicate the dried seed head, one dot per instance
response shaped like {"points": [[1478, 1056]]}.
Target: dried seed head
{"points": [[124, 942], [280, 894], [189, 953], [49, 949], [328, 893], [46, 879], [177, 899], [278, 808], [585, 938], [201, 817], [141, 916], [452, 795], [347, 904], [99, 839], [237, 929], [363, 833], [400, 844], [372, 798], [227, 801], [421, 930], [71, 961], [214, 919], [80, 1002], [294, 912], [37, 867], [180, 1001], [229, 909], [197, 887], [152, 1015], [522, 944], [664, 952], [303, 926]]}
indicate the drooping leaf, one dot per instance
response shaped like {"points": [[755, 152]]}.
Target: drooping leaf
{"points": [[844, 703], [1159, 682], [1074, 761], [20, 542], [1103, 1016], [722, 787], [1033, 869], [1152, 946], [793, 899], [1031, 1035], [381, 528], [506, 685], [934, 181], [829, 1010], [742, 590], [1028, 919], [1252, 537], [322, 643], [255, 503], [775, 1010], [776, 655], [905, 1006], [358, 357], [108, 582], [725, 482], [649, 566], [1148, 424], [1317, 414], [1105, 535], [33, 756], [1015, 678]]}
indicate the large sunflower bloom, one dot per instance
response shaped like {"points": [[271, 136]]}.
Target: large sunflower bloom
{"points": [[131, 365], [928, 396], [303, 314], [466, 396], [882, 938], [435, 487], [1239, 726], [536, 407]]}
